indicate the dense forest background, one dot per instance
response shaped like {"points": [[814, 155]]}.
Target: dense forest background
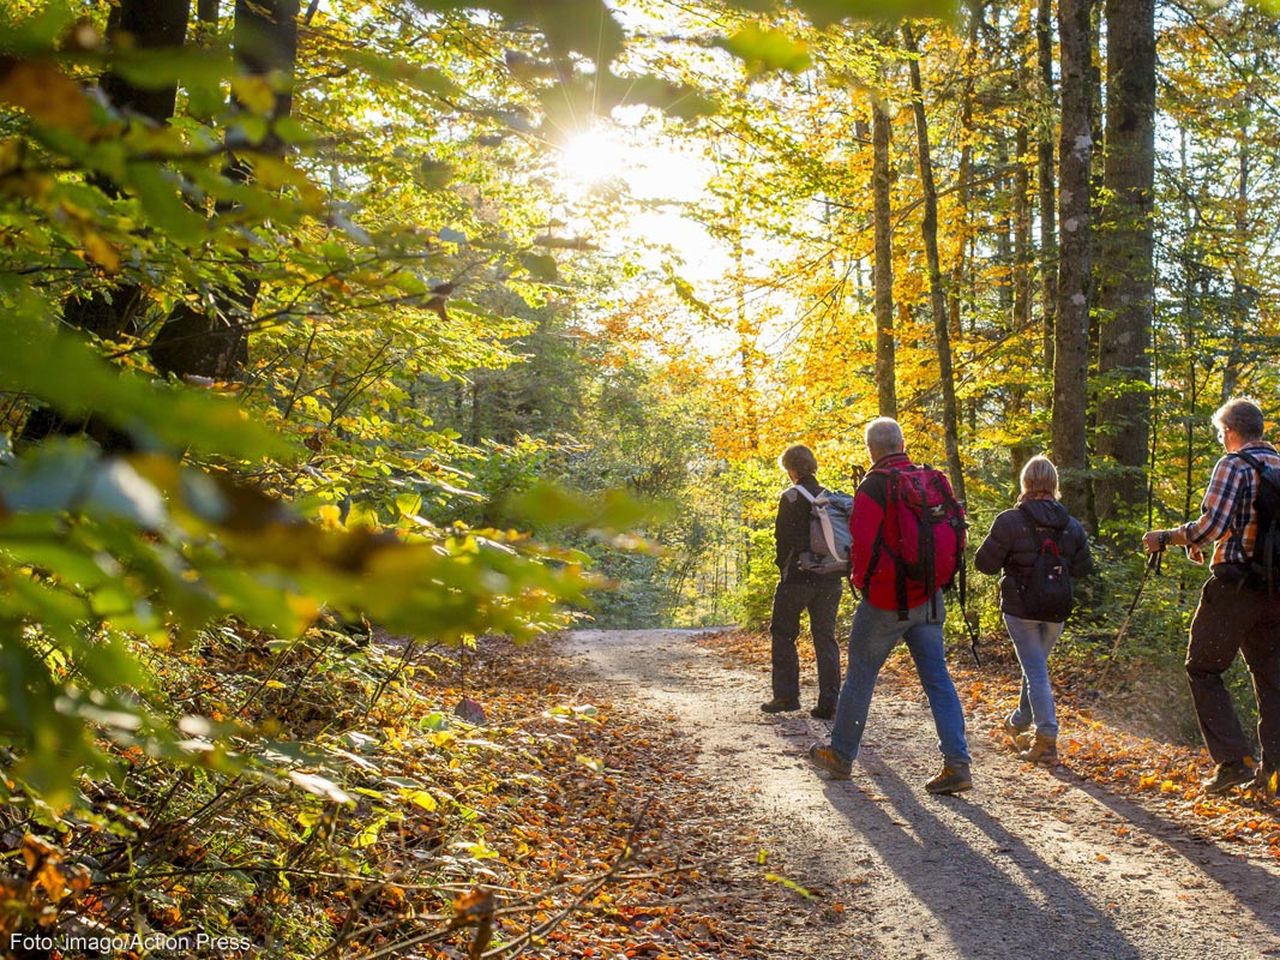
{"points": [[441, 320]]}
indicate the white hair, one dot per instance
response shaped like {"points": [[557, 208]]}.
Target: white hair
{"points": [[884, 437]]}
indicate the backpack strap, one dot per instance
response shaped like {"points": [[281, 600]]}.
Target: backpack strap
{"points": [[1260, 467], [1250, 459], [824, 521], [1268, 572], [900, 568], [805, 493], [877, 545]]}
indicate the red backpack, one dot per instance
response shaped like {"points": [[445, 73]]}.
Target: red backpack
{"points": [[923, 532]]}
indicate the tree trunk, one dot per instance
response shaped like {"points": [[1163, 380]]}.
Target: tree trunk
{"points": [[214, 343], [1241, 298], [746, 339], [1044, 160], [937, 292], [882, 271], [1021, 229], [1021, 450], [1071, 340], [1126, 281], [145, 25]]}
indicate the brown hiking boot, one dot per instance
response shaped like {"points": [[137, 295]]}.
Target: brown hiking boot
{"points": [[952, 778], [1228, 775], [1023, 741], [824, 758], [1043, 750]]}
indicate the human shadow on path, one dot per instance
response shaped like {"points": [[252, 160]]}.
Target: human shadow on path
{"points": [[1253, 887], [974, 895]]}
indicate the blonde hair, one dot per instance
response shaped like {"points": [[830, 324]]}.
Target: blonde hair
{"points": [[1039, 476]]}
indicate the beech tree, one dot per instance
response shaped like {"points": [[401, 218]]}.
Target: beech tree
{"points": [[1125, 271], [1071, 325]]}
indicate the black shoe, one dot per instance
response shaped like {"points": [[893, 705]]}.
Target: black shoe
{"points": [[822, 713], [779, 706], [1226, 776]]}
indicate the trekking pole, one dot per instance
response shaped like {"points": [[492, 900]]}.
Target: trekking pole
{"points": [[972, 624], [1153, 566], [970, 620]]}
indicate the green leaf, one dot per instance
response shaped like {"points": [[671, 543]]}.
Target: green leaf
{"points": [[158, 192], [823, 13], [153, 68], [764, 49], [541, 266], [408, 504], [547, 505], [587, 27], [64, 372], [425, 79]]}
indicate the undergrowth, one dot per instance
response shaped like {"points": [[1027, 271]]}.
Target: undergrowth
{"points": [[405, 801]]}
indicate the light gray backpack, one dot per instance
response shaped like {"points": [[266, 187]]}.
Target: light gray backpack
{"points": [[829, 537]]}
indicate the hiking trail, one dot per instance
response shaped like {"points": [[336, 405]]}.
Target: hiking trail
{"points": [[1029, 864]]}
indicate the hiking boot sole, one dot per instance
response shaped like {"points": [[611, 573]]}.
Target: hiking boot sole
{"points": [[945, 790]]}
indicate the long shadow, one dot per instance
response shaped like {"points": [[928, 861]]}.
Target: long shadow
{"points": [[984, 910], [1253, 887]]}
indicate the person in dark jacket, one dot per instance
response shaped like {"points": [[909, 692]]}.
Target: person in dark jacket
{"points": [[1011, 548], [799, 590]]}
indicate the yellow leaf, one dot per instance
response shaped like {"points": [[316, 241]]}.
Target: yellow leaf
{"points": [[422, 799], [46, 94], [255, 93], [100, 251]]}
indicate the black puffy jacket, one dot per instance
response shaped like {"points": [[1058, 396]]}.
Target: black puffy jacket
{"points": [[1012, 547]]}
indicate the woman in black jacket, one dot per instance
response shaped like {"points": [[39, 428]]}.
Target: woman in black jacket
{"points": [[1031, 545]]}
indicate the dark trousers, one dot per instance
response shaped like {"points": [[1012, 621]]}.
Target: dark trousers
{"points": [[1231, 619], [822, 599]]}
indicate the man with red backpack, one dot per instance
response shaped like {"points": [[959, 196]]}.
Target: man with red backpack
{"points": [[908, 543]]}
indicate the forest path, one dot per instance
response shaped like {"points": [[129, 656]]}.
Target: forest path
{"points": [[1029, 864]]}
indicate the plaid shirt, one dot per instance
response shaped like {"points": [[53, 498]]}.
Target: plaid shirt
{"points": [[1226, 514]]}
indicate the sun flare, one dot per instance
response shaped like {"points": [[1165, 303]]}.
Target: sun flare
{"points": [[592, 158]]}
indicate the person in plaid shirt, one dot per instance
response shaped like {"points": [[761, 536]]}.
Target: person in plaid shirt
{"points": [[1232, 615]]}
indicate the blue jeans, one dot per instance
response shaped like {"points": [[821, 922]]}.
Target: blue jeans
{"points": [[1032, 641], [875, 633]]}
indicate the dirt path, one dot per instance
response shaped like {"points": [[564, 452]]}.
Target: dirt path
{"points": [[1027, 865]]}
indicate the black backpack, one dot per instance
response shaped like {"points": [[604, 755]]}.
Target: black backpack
{"points": [[1046, 593], [1264, 564]]}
